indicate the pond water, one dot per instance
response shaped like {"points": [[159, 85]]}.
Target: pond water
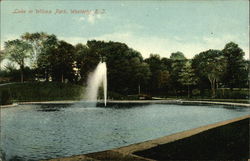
{"points": [[34, 132]]}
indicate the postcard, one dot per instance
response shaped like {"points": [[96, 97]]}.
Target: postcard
{"points": [[124, 80]]}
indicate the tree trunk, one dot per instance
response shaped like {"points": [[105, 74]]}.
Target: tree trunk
{"points": [[21, 72], [62, 78], [188, 92], [46, 75], [212, 83], [213, 88]]}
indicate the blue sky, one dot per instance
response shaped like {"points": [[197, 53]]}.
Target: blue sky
{"points": [[159, 27]]}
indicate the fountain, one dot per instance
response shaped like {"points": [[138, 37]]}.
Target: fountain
{"points": [[95, 80]]}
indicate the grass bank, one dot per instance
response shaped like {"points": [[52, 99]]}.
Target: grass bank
{"points": [[55, 91], [39, 91]]}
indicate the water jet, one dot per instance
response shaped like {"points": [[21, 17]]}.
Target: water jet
{"points": [[95, 80]]}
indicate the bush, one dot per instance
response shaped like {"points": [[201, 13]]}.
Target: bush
{"points": [[115, 96], [232, 94], [5, 97], [196, 92]]}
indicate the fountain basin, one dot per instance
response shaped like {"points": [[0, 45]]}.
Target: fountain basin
{"points": [[44, 131]]}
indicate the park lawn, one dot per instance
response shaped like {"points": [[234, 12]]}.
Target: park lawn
{"points": [[42, 91]]}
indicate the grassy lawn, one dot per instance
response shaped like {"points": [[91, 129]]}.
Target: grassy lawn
{"points": [[54, 91], [41, 91]]}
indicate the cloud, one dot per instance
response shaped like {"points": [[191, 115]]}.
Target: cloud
{"points": [[81, 19], [91, 18], [74, 40]]}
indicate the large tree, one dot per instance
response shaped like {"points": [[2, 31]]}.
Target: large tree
{"points": [[36, 41], [188, 77], [123, 64], [63, 64], [160, 74], [86, 60], [178, 61], [17, 51], [140, 72], [154, 62], [210, 64], [45, 59], [234, 75]]}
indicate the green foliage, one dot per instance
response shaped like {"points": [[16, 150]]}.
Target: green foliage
{"points": [[196, 92], [127, 70], [234, 76], [5, 97], [86, 60], [187, 76], [177, 56], [178, 62], [210, 64], [36, 41], [17, 51], [45, 58], [43, 91], [235, 93], [63, 62]]}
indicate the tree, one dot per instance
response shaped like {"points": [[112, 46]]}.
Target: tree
{"points": [[166, 63], [86, 60], [2, 56], [188, 77], [45, 59], [178, 61], [234, 75], [125, 67], [160, 76], [17, 51], [36, 41], [62, 64], [177, 56], [140, 73], [154, 62], [210, 64]]}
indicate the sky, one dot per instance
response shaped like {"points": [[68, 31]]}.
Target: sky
{"points": [[158, 27]]}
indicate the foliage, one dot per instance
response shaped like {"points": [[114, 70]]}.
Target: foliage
{"points": [[235, 70], [210, 64], [45, 58], [43, 91], [187, 76], [5, 97], [178, 61], [36, 41], [86, 60], [128, 73], [63, 62], [154, 62], [17, 51], [123, 64]]}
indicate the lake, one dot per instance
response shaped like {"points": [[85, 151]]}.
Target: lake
{"points": [[34, 132]]}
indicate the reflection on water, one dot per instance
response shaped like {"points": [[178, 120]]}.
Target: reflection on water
{"points": [[34, 132]]}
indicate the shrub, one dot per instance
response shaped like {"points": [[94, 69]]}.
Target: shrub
{"points": [[5, 97]]}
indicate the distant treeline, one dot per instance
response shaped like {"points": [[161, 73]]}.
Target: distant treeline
{"points": [[42, 57]]}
